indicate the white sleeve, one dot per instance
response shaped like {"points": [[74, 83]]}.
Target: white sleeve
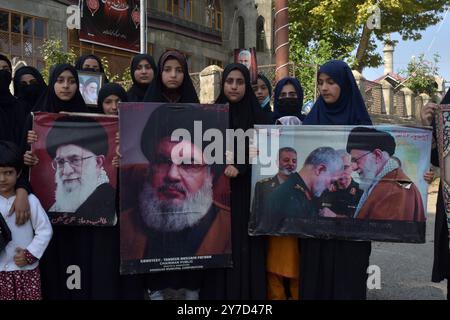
{"points": [[42, 228]]}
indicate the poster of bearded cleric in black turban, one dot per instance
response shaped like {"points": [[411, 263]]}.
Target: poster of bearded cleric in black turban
{"points": [[174, 198], [341, 182], [75, 179]]}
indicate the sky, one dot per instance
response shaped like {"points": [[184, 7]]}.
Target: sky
{"points": [[435, 39]]}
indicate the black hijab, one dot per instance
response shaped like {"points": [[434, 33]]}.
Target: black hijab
{"points": [[137, 91], [29, 93], [49, 102], [184, 94], [247, 112], [282, 109], [350, 108], [80, 61], [109, 89]]}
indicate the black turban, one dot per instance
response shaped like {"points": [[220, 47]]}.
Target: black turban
{"points": [[369, 139], [84, 132], [169, 117]]}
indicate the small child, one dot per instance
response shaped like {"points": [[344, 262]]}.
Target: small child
{"points": [[19, 271]]}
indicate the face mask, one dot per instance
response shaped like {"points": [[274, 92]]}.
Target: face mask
{"points": [[30, 92], [288, 106], [5, 80], [265, 102]]}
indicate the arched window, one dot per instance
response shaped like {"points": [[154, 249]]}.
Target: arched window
{"points": [[241, 32], [260, 35]]}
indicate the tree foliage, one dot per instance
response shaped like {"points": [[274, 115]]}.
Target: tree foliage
{"points": [[53, 53], [420, 75], [342, 24]]}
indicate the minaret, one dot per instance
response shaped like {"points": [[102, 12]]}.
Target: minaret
{"points": [[388, 56]]}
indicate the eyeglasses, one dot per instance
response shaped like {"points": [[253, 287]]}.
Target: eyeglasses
{"points": [[186, 168], [74, 162], [357, 159]]}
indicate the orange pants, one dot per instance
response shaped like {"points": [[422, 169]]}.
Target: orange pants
{"points": [[276, 289]]}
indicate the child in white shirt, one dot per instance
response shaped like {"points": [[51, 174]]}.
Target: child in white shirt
{"points": [[19, 271]]}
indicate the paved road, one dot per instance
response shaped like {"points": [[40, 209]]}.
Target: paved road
{"points": [[406, 268]]}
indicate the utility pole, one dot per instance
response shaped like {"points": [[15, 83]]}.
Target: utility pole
{"points": [[281, 39], [143, 25]]}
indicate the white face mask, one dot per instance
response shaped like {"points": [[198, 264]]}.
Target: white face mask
{"points": [[289, 121], [265, 102]]}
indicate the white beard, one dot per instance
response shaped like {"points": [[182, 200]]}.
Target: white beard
{"points": [[90, 97], [369, 173], [71, 196], [287, 172], [163, 215]]}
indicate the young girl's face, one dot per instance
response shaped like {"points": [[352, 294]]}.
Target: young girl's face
{"points": [[328, 88], [65, 86], [234, 87], [261, 90], [111, 104], [172, 74], [144, 73], [8, 178]]}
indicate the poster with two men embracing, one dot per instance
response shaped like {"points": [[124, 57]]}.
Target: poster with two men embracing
{"points": [[342, 182]]}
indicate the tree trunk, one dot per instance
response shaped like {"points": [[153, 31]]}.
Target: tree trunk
{"points": [[362, 48]]}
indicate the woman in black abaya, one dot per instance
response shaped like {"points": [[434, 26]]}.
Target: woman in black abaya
{"points": [[95, 250], [28, 86], [12, 121], [441, 263], [335, 269], [247, 278]]}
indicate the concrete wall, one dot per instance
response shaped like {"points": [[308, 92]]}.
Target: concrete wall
{"points": [[399, 104], [200, 51]]}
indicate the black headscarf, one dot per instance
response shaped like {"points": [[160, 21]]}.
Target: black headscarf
{"points": [[137, 91], [184, 94], [266, 103], [282, 109], [109, 89], [247, 112], [349, 109], [5, 58], [80, 61], [29, 93], [49, 102]]}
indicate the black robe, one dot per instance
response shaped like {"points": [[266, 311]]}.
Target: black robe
{"points": [[12, 122], [441, 263], [246, 280]]}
